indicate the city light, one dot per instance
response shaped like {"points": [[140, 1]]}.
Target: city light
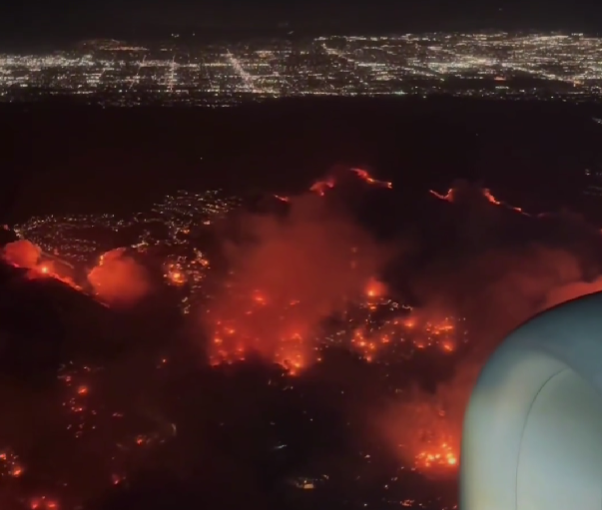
{"points": [[464, 64]]}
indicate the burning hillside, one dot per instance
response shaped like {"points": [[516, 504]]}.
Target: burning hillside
{"points": [[312, 265], [119, 279], [322, 371], [292, 274]]}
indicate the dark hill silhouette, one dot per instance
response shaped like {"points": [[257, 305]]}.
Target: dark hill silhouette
{"points": [[44, 324]]}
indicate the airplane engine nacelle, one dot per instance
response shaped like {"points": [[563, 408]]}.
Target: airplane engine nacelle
{"points": [[532, 437]]}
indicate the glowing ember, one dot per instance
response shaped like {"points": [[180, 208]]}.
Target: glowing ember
{"points": [[322, 186], [175, 275], [453, 195], [10, 465], [365, 176], [375, 289], [439, 456], [237, 337], [43, 503], [381, 339]]}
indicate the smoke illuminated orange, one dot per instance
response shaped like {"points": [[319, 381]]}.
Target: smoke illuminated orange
{"points": [[119, 279], [312, 266], [296, 273]]}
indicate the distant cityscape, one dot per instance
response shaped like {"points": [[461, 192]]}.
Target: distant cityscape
{"points": [[496, 65]]}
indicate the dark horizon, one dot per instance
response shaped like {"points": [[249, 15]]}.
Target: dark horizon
{"points": [[38, 41], [50, 22]]}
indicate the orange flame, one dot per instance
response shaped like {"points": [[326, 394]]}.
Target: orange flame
{"points": [[452, 195], [322, 186]]}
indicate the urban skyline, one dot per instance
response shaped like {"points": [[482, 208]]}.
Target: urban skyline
{"points": [[492, 64]]}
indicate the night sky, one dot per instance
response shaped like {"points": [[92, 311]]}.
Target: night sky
{"points": [[52, 19]]}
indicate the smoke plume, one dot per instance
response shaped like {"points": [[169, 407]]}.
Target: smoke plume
{"points": [[118, 279], [22, 253], [290, 273], [498, 267]]}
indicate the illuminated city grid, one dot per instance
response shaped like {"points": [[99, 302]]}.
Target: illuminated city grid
{"points": [[485, 65], [170, 230], [78, 238]]}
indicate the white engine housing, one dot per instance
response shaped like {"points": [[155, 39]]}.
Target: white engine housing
{"points": [[532, 437]]}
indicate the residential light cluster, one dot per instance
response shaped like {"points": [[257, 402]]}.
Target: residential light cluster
{"points": [[496, 64]]}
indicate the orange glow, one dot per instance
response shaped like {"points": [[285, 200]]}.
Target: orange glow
{"points": [[426, 439], [322, 186], [302, 290], [375, 289], [453, 193], [119, 279], [365, 176], [418, 332], [437, 456], [43, 503], [17, 471], [236, 337], [175, 275], [177, 278], [296, 273], [24, 254]]}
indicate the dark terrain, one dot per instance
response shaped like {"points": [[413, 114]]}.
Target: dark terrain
{"points": [[64, 158]]}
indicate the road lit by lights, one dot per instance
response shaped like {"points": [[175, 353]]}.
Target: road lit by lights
{"points": [[486, 65]]}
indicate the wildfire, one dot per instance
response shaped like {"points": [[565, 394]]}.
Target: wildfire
{"points": [[275, 311], [365, 176], [275, 330], [375, 341], [298, 271], [46, 270], [437, 456], [43, 503], [452, 196], [375, 289], [175, 274], [26, 255], [322, 186], [119, 279], [252, 332], [10, 465]]}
